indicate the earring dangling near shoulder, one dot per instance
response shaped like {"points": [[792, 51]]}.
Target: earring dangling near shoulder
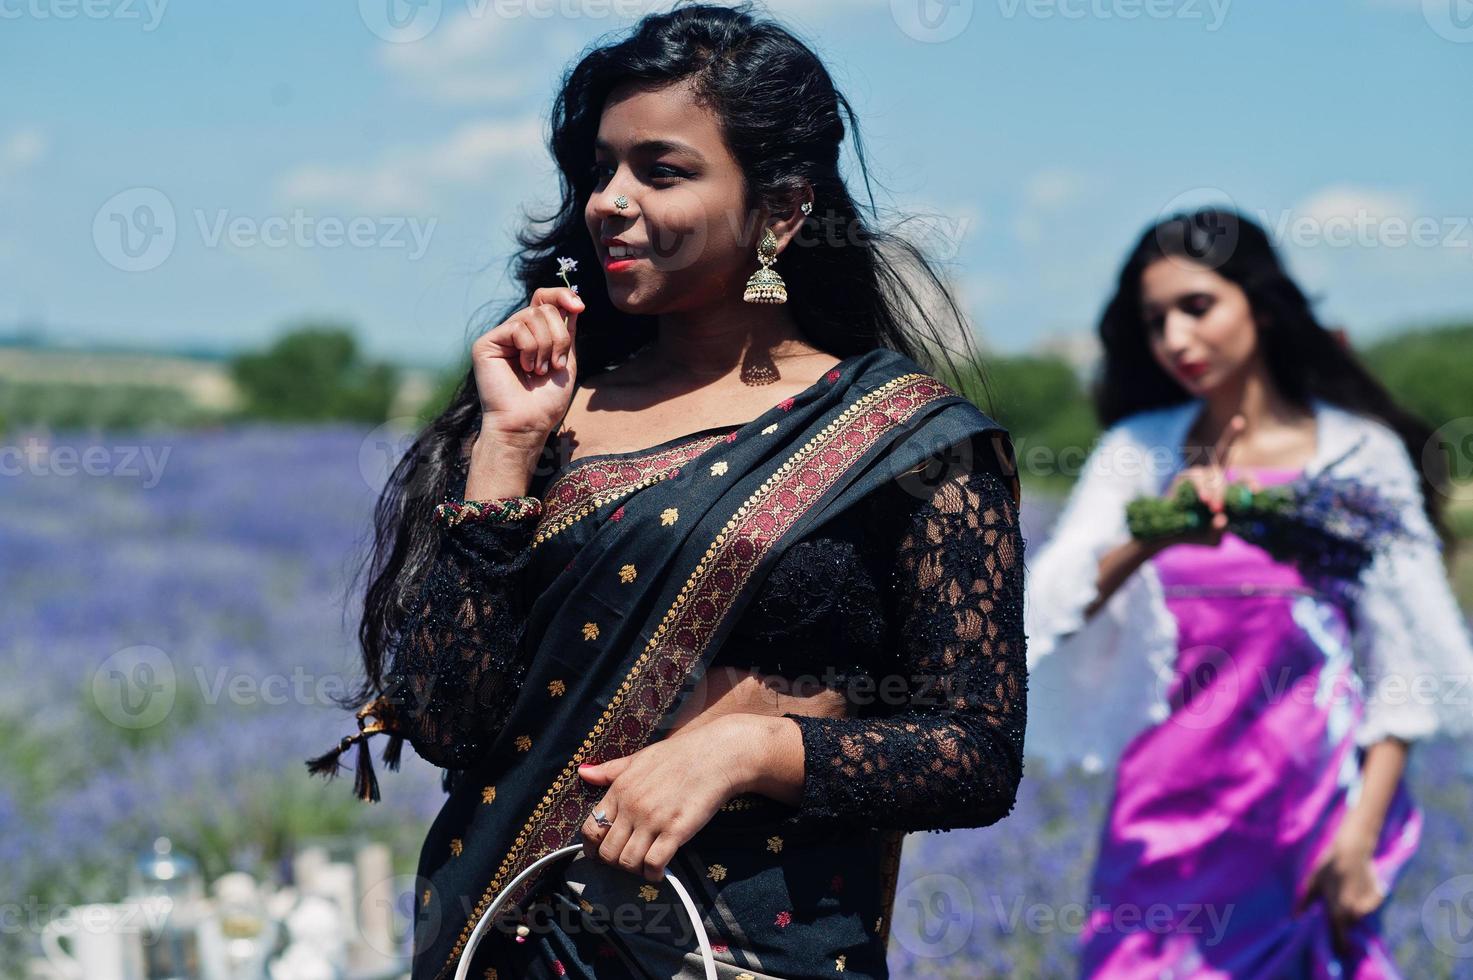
{"points": [[765, 285]]}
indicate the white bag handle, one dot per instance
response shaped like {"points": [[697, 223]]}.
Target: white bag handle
{"points": [[707, 957]]}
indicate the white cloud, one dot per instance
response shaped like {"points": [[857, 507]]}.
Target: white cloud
{"points": [[410, 178], [944, 233], [1348, 201], [1057, 188], [498, 53], [1042, 193], [982, 290], [469, 57], [1365, 249], [1028, 229], [21, 150], [1396, 226]]}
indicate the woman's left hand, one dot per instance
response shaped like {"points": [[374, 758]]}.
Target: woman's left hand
{"points": [[662, 795], [1346, 880]]}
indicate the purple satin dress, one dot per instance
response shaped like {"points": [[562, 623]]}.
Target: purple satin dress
{"points": [[1221, 807]]}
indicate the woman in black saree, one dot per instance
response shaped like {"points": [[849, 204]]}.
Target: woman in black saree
{"points": [[759, 651]]}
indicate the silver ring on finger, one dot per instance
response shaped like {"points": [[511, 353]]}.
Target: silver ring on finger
{"points": [[601, 817]]}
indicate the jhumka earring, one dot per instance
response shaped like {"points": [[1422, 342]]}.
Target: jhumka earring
{"points": [[765, 285]]}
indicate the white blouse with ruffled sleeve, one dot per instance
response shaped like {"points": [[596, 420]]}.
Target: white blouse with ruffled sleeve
{"points": [[1095, 683]]}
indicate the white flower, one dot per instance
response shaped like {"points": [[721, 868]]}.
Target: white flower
{"points": [[575, 289], [565, 264]]}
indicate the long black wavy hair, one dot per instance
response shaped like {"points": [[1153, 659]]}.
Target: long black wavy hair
{"points": [[1304, 359], [852, 287]]}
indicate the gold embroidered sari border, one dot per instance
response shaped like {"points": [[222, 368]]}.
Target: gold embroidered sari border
{"points": [[574, 495]]}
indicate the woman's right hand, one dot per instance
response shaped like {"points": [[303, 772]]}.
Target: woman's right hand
{"points": [[1210, 481], [525, 368], [1121, 562], [1206, 483]]}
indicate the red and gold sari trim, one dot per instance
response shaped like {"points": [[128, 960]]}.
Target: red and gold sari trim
{"points": [[586, 486]]}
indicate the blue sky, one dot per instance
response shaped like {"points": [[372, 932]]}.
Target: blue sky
{"points": [[204, 174]]}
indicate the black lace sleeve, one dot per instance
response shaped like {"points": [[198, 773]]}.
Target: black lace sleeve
{"points": [[457, 663], [951, 754]]}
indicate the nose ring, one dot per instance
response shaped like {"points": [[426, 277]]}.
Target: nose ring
{"points": [[621, 202]]}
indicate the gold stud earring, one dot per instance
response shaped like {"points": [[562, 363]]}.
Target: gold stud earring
{"points": [[765, 285]]}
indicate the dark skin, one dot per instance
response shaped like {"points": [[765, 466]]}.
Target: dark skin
{"points": [[694, 241], [1196, 317]]}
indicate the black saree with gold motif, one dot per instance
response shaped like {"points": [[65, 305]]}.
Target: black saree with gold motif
{"points": [[640, 565]]}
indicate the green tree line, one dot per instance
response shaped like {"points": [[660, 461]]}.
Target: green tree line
{"points": [[317, 372]]}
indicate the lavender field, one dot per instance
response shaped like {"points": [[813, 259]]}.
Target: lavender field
{"points": [[177, 614]]}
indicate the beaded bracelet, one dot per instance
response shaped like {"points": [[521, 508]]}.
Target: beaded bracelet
{"points": [[452, 511]]}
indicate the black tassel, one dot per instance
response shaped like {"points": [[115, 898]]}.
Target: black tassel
{"points": [[365, 784], [328, 764], [392, 751]]}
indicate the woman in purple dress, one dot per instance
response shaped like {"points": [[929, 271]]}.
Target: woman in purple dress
{"points": [[1259, 720]]}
